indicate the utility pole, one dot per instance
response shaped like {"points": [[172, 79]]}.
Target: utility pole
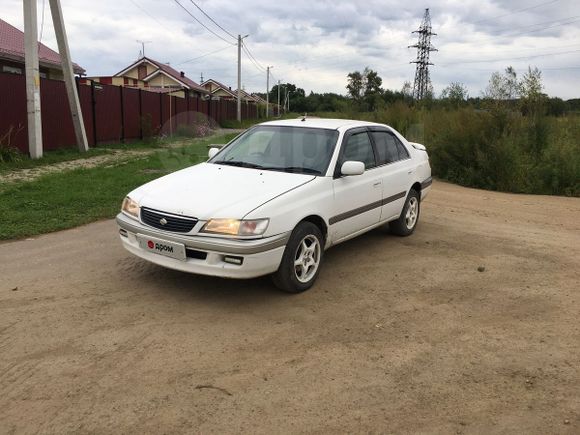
{"points": [[268, 91], [422, 84], [69, 78], [32, 80], [240, 42], [278, 98]]}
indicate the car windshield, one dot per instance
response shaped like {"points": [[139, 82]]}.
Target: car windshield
{"points": [[277, 148]]}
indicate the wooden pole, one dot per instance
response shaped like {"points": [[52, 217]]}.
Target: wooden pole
{"points": [[69, 78]]}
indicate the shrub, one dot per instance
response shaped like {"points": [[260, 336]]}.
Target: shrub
{"points": [[8, 152]]}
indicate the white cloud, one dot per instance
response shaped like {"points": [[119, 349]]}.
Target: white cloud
{"points": [[316, 43]]}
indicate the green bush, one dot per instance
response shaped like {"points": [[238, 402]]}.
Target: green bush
{"points": [[8, 152], [497, 149]]}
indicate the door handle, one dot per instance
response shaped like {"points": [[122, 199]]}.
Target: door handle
{"points": [[377, 184], [410, 171]]}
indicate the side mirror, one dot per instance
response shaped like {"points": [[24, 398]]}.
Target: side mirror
{"points": [[212, 152], [352, 168]]}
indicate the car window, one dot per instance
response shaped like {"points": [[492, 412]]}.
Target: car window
{"points": [[257, 143], [293, 149], [359, 149], [403, 153], [387, 149]]}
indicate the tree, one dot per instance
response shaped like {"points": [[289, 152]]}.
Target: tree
{"points": [[407, 90], [372, 82], [456, 92], [502, 86], [365, 88], [531, 86], [355, 85]]}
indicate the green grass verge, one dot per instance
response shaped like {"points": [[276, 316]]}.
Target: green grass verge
{"points": [[66, 155], [49, 158], [72, 198]]}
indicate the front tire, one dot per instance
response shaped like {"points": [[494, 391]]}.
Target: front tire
{"points": [[407, 222], [301, 261]]}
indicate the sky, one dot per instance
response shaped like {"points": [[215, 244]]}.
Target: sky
{"points": [[315, 44]]}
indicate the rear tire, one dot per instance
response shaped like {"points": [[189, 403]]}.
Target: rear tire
{"points": [[301, 261], [407, 222]]}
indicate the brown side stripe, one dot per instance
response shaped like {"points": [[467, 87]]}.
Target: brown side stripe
{"points": [[427, 182], [365, 208]]}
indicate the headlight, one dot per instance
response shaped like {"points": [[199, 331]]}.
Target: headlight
{"points": [[130, 207], [235, 227]]}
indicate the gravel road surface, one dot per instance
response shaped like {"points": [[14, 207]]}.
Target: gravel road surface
{"points": [[471, 325]]}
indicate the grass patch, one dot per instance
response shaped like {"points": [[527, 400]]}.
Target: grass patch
{"points": [[67, 154], [49, 158], [72, 198]]}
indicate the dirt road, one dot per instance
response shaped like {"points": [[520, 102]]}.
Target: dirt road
{"points": [[400, 335]]}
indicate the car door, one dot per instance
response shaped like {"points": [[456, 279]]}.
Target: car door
{"points": [[357, 198], [396, 168]]}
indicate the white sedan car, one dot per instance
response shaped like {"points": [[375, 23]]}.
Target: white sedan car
{"points": [[276, 197]]}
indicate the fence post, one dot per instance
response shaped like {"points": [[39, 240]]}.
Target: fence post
{"points": [[122, 114], [175, 111], [94, 106], [187, 109], [160, 112], [140, 115]]}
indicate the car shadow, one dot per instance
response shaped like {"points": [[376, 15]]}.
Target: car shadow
{"points": [[187, 286]]}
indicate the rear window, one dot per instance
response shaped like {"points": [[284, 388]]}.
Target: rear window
{"points": [[389, 148]]}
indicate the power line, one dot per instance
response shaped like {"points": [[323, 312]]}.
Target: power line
{"points": [[253, 59], [153, 17], [517, 11], [204, 55], [544, 22], [211, 19], [203, 25], [509, 58], [545, 28]]}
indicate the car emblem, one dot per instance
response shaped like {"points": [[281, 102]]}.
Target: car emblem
{"points": [[163, 221]]}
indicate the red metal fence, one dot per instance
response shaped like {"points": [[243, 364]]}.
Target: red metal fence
{"points": [[110, 113]]}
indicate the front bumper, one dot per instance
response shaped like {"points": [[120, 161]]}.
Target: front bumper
{"points": [[259, 256]]}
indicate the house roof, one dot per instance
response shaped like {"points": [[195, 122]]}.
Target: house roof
{"points": [[220, 86], [12, 47], [168, 71], [258, 98], [246, 95]]}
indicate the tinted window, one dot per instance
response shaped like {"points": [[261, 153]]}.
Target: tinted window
{"points": [[359, 149], [386, 145], [403, 153]]}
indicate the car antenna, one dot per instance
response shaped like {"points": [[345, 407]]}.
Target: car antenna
{"points": [[304, 117]]}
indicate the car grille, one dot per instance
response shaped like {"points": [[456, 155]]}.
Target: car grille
{"points": [[171, 222]]}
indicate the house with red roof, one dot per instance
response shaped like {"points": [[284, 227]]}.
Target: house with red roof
{"points": [[12, 55], [218, 90], [154, 76]]}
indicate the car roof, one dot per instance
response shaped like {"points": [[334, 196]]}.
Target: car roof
{"points": [[334, 124]]}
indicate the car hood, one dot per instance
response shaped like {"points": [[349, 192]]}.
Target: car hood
{"points": [[209, 190]]}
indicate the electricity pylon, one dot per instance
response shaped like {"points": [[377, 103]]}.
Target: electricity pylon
{"points": [[422, 84]]}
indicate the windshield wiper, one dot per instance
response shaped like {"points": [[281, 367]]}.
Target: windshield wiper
{"points": [[300, 169], [295, 169], [239, 163]]}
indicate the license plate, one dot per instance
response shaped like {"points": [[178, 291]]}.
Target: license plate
{"points": [[162, 247]]}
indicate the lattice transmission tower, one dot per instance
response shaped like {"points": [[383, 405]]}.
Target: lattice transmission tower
{"points": [[422, 85]]}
